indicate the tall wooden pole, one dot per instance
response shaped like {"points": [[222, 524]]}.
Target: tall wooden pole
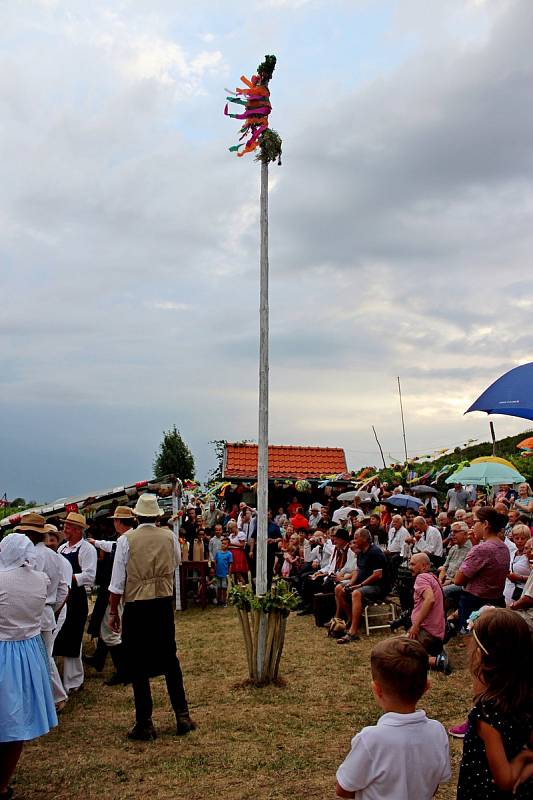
{"points": [[262, 456], [262, 450]]}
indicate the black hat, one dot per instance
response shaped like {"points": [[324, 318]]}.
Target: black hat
{"points": [[343, 534]]}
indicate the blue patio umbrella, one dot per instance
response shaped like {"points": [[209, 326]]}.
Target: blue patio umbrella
{"points": [[512, 394], [403, 501], [486, 473]]}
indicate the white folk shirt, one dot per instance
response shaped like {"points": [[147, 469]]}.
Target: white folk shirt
{"points": [[122, 555], [66, 577], [403, 757], [430, 542], [105, 545], [350, 566], [87, 559], [396, 539], [22, 597], [45, 560]]}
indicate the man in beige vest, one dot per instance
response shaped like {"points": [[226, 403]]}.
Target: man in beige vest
{"points": [[143, 574]]}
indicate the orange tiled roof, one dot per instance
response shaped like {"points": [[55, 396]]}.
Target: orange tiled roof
{"points": [[284, 461]]}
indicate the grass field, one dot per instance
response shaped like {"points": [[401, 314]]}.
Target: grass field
{"points": [[265, 744]]}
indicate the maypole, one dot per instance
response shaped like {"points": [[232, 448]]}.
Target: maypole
{"points": [[255, 97]]}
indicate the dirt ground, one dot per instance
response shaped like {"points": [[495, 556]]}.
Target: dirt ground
{"points": [[266, 744]]}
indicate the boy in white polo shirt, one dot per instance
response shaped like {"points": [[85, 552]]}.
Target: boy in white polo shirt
{"points": [[406, 755]]}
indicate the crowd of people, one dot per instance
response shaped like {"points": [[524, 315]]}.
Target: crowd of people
{"points": [[451, 569]]}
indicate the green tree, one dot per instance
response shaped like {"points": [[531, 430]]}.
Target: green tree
{"points": [[174, 457], [219, 446]]}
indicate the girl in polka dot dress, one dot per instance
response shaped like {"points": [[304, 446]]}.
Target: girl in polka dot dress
{"points": [[497, 755]]}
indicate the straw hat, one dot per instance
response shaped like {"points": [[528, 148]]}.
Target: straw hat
{"points": [[49, 528], [123, 512], [75, 519], [31, 522], [147, 506]]}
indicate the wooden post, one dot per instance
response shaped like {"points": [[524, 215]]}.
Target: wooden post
{"points": [[403, 423], [493, 435], [262, 450], [380, 448]]}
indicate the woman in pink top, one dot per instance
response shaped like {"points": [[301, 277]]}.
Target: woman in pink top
{"points": [[484, 570]]}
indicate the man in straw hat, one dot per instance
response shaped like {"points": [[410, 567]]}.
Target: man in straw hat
{"points": [[82, 558], [143, 576], [45, 560], [108, 640]]}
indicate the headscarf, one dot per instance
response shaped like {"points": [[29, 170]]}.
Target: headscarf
{"points": [[15, 550]]}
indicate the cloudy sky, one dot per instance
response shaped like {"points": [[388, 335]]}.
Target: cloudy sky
{"points": [[400, 221]]}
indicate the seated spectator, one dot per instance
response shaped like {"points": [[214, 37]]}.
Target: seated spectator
{"points": [[314, 515], [444, 522], [427, 616], [524, 502], [524, 606], [378, 534], [397, 548], [280, 516], [317, 550], [458, 552], [369, 584], [299, 522], [323, 580], [385, 516], [380, 762], [513, 518], [293, 506], [426, 539], [325, 523], [520, 568], [484, 571]]}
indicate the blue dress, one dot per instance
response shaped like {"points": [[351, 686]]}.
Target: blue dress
{"points": [[27, 707]]}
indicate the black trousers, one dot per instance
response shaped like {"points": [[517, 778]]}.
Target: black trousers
{"points": [[99, 656], [143, 696]]}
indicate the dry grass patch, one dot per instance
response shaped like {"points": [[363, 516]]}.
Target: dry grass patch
{"points": [[273, 743]]}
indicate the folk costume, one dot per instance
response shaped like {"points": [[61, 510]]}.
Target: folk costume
{"points": [[26, 704], [82, 558], [108, 641], [45, 560], [143, 574]]}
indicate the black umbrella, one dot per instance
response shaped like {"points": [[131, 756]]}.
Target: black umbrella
{"points": [[421, 489]]}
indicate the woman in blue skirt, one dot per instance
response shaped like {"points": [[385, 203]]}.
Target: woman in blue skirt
{"points": [[26, 704]]}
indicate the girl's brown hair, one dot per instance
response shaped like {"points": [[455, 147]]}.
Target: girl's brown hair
{"points": [[502, 660]]}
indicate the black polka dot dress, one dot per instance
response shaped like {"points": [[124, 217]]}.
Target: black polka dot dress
{"points": [[475, 777]]}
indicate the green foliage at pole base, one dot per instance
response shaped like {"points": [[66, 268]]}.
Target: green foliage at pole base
{"points": [[279, 598], [267, 613]]}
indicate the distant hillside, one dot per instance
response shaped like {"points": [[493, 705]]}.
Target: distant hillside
{"points": [[505, 448]]}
